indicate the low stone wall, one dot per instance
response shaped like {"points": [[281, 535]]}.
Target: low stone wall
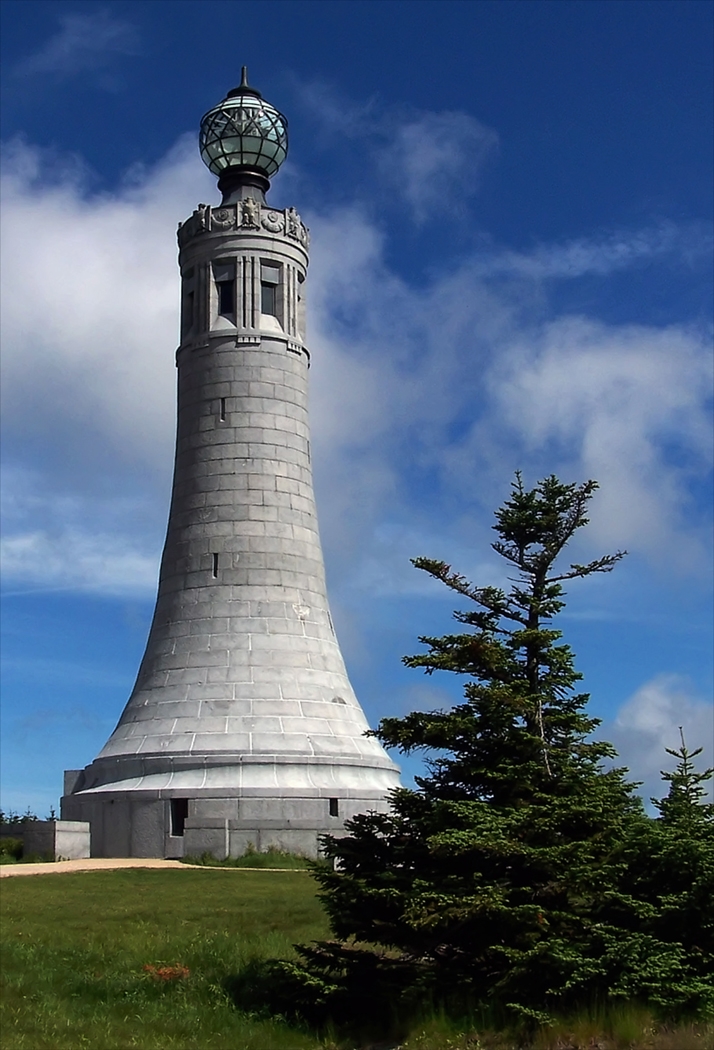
{"points": [[12, 831], [56, 839]]}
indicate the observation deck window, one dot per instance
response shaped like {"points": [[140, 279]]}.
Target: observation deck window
{"points": [[269, 284], [224, 274]]}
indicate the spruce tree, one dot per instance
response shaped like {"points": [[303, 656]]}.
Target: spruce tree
{"points": [[684, 808], [670, 874], [502, 877], [685, 861]]}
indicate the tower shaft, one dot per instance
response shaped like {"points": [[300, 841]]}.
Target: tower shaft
{"points": [[242, 726]]}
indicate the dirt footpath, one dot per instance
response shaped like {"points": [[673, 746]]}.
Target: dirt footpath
{"points": [[112, 863], [90, 864]]}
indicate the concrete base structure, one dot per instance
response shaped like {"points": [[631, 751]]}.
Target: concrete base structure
{"points": [[138, 824], [56, 839]]}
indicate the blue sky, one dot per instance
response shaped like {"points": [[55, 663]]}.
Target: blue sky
{"points": [[511, 218]]}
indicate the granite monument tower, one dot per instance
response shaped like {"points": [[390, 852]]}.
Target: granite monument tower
{"points": [[242, 728]]}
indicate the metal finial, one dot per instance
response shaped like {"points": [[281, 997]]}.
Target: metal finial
{"points": [[244, 87]]}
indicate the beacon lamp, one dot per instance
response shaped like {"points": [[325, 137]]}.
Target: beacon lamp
{"points": [[243, 141]]}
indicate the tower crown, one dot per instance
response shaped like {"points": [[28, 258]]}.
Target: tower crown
{"points": [[243, 138]]}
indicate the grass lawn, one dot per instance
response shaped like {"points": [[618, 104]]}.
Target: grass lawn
{"points": [[110, 960], [74, 947]]}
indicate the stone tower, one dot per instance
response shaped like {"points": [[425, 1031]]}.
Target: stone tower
{"points": [[243, 727]]}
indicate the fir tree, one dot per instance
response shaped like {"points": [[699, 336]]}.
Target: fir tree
{"points": [[683, 807], [502, 877], [670, 873]]}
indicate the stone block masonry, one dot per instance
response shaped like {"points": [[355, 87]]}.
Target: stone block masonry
{"points": [[242, 729], [56, 839]]}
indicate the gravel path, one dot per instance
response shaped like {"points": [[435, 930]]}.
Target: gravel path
{"points": [[110, 864]]}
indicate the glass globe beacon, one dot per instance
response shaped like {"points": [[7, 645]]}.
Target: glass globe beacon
{"points": [[244, 133]]}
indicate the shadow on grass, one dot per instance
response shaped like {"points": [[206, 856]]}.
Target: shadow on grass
{"points": [[365, 1004]]}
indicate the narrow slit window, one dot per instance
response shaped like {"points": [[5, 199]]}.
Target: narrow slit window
{"points": [[301, 306], [179, 815], [215, 567], [223, 410], [334, 807]]}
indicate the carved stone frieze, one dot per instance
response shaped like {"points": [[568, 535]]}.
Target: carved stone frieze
{"points": [[223, 218], [295, 227], [273, 221], [250, 213], [198, 222], [246, 215]]}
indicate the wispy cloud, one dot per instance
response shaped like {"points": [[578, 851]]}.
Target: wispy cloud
{"points": [[435, 161], [83, 542], [74, 560], [84, 43], [626, 404], [425, 389], [615, 251], [432, 162], [649, 721]]}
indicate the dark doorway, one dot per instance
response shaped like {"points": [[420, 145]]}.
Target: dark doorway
{"points": [[179, 812]]}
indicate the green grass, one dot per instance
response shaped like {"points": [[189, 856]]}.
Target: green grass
{"points": [[31, 858], [271, 858], [10, 850], [75, 947]]}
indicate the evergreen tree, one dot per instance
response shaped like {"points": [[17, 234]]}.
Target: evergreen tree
{"points": [[670, 873], [502, 877], [683, 808]]}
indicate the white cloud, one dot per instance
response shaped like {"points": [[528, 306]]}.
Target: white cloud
{"points": [[83, 43], [334, 113], [424, 398], [448, 382], [436, 160], [616, 251], [76, 561], [89, 321], [649, 721], [628, 405], [76, 543], [430, 161]]}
